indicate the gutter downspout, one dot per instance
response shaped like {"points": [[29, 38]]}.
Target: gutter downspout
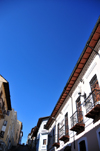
{"points": [[73, 121], [72, 114], [93, 49]]}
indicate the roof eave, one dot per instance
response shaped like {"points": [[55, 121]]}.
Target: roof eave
{"points": [[7, 92], [83, 52]]}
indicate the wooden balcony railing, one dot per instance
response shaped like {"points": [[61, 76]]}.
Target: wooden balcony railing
{"points": [[77, 123], [56, 141], [92, 104], [64, 133]]}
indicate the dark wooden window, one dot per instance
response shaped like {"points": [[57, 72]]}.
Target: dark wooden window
{"points": [[66, 124], [49, 139], [95, 87], [79, 110], [78, 104], [58, 132], [53, 136], [82, 146], [94, 83]]}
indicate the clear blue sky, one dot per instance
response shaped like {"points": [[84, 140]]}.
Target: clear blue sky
{"points": [[40, 43]]}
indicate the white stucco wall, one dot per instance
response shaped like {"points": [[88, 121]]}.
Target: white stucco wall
{"points": [[86, 75]]}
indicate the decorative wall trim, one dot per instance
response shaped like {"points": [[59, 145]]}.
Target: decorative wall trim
{"points": [[64, 110], [87, 75]]}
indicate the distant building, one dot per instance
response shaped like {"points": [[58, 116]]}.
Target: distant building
{"points": [[5, 102], [20, 132], [10, 127], [38, 138], [42, 134], [29, 140], [74, 124]]}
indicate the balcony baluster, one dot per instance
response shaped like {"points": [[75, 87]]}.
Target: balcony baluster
{"points": [[92, 104], [64, 133], [77, 123]]}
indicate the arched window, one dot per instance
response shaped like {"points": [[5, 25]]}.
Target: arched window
{"points": [[82, 144], [98, 136]]}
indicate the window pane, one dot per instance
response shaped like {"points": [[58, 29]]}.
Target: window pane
{"points": [[8, 113], [82, 146], [66, 124], [5, 123], [2, 134], [44, 141]]}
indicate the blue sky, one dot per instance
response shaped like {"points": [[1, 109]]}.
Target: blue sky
{"points": [[40, 43]]}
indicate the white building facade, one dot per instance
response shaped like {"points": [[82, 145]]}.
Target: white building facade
{"points": [[74, 124], [42, 135]]}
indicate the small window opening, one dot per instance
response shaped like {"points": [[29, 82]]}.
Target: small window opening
{"points": [[44, 141], [82, 146]]}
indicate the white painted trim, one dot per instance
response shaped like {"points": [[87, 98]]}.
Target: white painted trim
{"points": [[66, 107], [81, 139], [87, 75], [98, 137]]}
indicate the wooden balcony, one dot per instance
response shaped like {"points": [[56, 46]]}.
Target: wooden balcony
{"points": [[56, 144], [77, 123], [63, 135], [55, 141], [92, 104], [64, 138]]}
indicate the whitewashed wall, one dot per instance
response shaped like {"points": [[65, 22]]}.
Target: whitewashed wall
{"points": [[86, 75]]}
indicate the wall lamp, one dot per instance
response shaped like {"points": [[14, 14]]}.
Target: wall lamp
{"points": [[82, 81], [61, 113], [82, 95]]}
